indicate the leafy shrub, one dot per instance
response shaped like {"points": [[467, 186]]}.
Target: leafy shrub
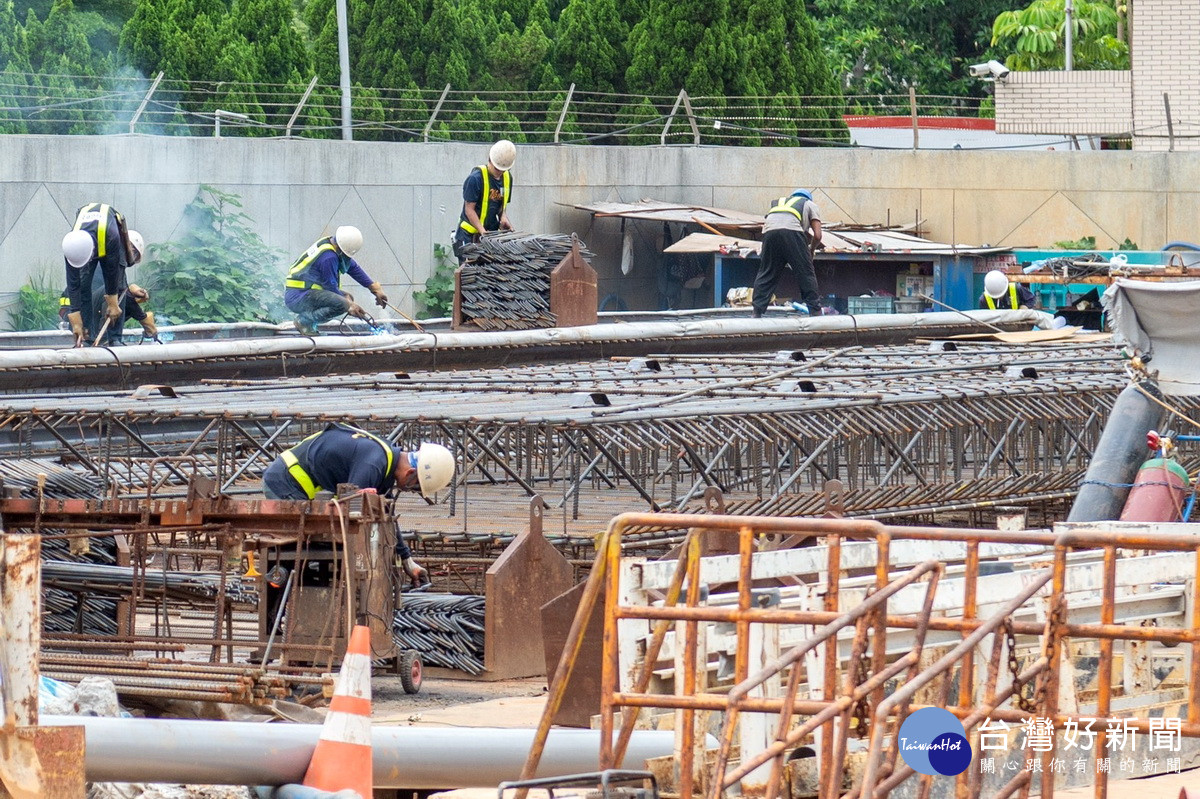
{"points": [[438, 297], [219, 269], [37, 304]]}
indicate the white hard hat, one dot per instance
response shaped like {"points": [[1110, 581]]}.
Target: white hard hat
{"points": [[348, 239], [77, 247], [435, 468], [138, 244], [503, 154], [995, 284]]}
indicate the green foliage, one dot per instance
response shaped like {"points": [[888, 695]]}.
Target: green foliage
{"points": [[1081, 243], [37, 304], [437, 299], [218, 269], [1128, 245], [1034, 35]]}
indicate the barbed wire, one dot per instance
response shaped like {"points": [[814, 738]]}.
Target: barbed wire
{"points": [[125, 103]]}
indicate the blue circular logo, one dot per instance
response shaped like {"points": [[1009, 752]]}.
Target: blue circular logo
{"points": [[933, 741]]}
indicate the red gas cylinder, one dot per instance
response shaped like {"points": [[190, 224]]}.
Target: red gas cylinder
{"points": [[1158, 494]]}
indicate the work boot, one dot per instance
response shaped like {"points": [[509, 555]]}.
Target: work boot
{"points": [[307, 328]]}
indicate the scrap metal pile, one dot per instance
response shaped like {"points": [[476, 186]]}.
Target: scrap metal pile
{"points": [[505, 280]]}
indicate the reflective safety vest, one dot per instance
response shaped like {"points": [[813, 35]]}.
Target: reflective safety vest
{"points": [[94, 219], [296, 458], [790, 205], [1012, 297], [298, 277], [505, 193]]}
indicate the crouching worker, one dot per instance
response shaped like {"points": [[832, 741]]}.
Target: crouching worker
{"points": [[344, 454], [313, 288]]}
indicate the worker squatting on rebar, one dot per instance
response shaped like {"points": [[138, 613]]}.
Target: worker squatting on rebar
{"points": [[100, 238], [313, 288], [342, 454]]}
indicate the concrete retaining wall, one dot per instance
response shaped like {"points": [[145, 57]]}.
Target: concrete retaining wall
{"points": [[406, 197]]}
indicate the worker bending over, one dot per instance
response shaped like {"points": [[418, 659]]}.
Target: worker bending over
{"points": [[99, 238], [999, 294], [344, 454], [791, 234], [486, 193], [314, 282], [131, 308]]}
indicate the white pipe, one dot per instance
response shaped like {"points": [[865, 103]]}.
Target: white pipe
{"points": [[248, 753], [416, 342]]}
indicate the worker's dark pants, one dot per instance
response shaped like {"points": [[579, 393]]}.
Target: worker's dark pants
{"points": [[317, 306], [278, 484], [461, 239], [784, 248]]}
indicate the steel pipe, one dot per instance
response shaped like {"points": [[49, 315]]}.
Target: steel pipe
{"points": [[248, 753]]}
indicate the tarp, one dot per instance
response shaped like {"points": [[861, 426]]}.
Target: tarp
{"points": [[1158, 320]]}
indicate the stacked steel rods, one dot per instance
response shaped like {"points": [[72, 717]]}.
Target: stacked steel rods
{"points": [[505, 280], [447, 630]]}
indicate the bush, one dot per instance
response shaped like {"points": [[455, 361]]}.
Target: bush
{"points": [[37, 304], [219, 269], [438, 297]]}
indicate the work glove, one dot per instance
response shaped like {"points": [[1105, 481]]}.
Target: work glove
{"points": [[348, 296], [415, 572], [356, 310], [380, 298], [75, 320], [149, 329], [139, 294], [112, 308]]}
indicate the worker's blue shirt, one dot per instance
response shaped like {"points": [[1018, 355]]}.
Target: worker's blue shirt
{"points": [[327, 270], [339, 456]]}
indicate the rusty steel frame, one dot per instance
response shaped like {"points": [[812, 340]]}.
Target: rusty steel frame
{"points": [[908, 432], [972, 704]]}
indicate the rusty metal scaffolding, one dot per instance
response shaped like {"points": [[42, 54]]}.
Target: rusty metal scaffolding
{"points": [[908, 430], [852, 695]]}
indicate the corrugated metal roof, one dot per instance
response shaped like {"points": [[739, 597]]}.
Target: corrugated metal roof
{"points": [[843, 241]]}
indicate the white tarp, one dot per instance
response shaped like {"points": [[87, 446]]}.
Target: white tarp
{"points": [[1160, 320]]}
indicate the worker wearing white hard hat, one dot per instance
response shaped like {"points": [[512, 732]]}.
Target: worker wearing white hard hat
{"points": [[313, 288], [99, 239], [1000, 294], [341, 454], [486, 193]]}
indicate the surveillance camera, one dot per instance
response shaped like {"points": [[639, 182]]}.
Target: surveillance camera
{"points": [[991, 70]]}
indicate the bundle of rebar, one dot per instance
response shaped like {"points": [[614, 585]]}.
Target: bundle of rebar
{"points": [[445, 629], [118, 581], [505, 281]]}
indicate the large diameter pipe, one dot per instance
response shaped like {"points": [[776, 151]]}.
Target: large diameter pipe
{"points": [[1118, 454], [248, 753]]}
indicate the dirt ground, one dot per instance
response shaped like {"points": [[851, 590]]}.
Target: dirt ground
{"points": [[459, 702]]}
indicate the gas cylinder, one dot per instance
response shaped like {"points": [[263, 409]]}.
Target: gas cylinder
{"points": [[1158, 494]]}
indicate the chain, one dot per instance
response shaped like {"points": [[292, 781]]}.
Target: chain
{"points": [[1014, 668], [860, 707]]}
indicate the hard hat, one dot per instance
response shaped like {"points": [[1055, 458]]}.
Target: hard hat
{"points": [[77, 247], [435, 468], [805, 193], [503, 154], [348, 239], [995, 283], [138, 244]]}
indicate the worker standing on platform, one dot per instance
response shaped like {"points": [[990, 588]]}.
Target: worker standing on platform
{"points": [[344, 454], [791, 233], [314, 282], [99, 238], [486, 193], [999, 294]]}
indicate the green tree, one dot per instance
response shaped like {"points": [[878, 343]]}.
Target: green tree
{"points": [[1035, 36], [217, 269], [143, 39], [279, 52], [683, 44], [640, 124], [481, 121], [589, 50]]}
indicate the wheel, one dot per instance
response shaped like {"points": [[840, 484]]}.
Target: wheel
{"points": [[411, 670]]}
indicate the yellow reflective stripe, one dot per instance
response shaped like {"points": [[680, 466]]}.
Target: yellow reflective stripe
{"points": [[303, 284], [467, 226], [299, 475], [102, 232], [487, 190], [64, 301], [991, 303], [1012, 295], [788, 205]]}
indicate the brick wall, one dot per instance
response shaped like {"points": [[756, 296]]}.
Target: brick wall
{"points": [[1091, 102], [1166, 59]]}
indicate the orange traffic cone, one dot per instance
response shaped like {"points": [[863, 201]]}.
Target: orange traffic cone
{"points": [[342, 758]]}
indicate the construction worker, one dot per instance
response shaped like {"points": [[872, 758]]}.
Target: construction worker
{"points": [[99, 238], [131, 308], [999, 294], [314, 282], [486, 193], [791, 234]]}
